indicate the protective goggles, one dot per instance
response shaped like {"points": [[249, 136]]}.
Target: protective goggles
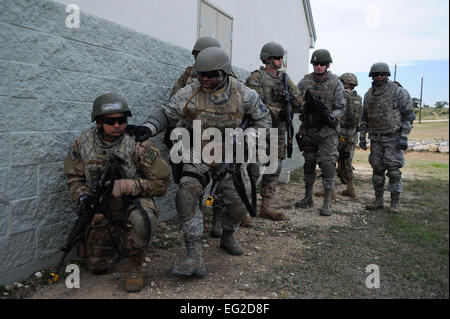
{"points": [[320, 63]]}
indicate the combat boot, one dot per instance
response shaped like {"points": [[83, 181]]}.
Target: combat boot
{"points": [[326, 208], [350, 191], [248, 221], [216, 230], [228, 242], [134, 277], [376, 204], [192, 264], [307, 201], [395, 203], [266, 211]]}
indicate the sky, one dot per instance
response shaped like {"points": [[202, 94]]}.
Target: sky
{"points": [[412, 34]]}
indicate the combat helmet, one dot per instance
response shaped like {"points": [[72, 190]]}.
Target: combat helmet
{"points": [[203, 43], [271, 49], [349, 78], [211, 59], [109, 103], [379, 67], [321, 55]]}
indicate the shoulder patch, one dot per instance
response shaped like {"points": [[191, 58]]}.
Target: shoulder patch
{"points": [[150, 156], [254, 83]]}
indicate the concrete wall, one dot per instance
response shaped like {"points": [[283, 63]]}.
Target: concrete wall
{"points": [[50, 76]]}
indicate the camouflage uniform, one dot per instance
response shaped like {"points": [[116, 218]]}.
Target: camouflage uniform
{"points": [[349, 135], [318, 141], [271, 90], [387, 116], [143, 164], [225, 110]]}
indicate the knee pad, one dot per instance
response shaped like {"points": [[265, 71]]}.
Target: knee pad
{"points": [[378, 181], [328, 169], [143, 230], [394, 175], [188, 197]]}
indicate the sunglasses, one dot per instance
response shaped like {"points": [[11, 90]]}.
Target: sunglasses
{"points": [[277, 57], [113, 120], [209, 74], [320, 63], [378, 74]]}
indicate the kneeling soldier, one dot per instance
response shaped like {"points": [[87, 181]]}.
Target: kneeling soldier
{"points": [[128, 221]]}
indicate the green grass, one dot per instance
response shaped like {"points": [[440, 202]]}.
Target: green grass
{"points": [[422, 229]]}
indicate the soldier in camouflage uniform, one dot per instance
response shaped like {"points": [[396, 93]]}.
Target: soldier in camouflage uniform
{"points": [[218, 101], [349, 133], [189, 75], [318, 140], [388, 117], [143, 175], [268, 82]]}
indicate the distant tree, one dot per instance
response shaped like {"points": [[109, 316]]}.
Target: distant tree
{"points": [[426, 106], [440, 104], [416, 102]]}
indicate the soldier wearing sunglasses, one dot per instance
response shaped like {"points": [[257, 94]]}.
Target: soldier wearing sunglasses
{"points": [[128, 222], [319, 130], [388, 117], [268, 82]]}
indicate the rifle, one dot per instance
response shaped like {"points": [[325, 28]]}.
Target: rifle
{"points": [[288, 115], [235, 170], [86, 209], [313, 104]]}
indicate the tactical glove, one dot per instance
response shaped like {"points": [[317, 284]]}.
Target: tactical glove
{"points": [[402, 144], [125, 187], [363, 143], [140, 133]]}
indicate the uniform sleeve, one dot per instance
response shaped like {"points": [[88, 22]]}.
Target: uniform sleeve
{"points": [[153, 170], [340, 101], [254, 82], [254, 106], [74, 171], [406, 109], [297, 100]]}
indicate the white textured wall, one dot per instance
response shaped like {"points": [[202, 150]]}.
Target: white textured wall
{"points": [[255, 22]]}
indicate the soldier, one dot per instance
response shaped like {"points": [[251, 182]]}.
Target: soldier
{"points": [[349, 133], [143, 175], [220, 101], [268, 82], [319, 130], [189, 74], [388, 116]]}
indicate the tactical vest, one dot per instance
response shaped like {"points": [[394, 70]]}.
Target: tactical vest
{"points": [[323, 90], [228, 114], [382, 113], [95, 154], [273, 89], [353, 111]]}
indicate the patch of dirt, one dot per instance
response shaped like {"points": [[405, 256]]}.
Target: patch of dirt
{"points": [[307, 256]]}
